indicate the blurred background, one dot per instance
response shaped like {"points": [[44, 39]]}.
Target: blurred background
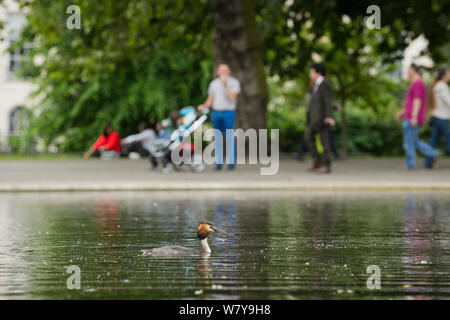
{"points": [[139, 59]]}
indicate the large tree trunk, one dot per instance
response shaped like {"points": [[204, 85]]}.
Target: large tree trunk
{"points": [[237, 43]]}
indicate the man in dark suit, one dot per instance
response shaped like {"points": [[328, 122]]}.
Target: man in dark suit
{"points": [[320, 117]]}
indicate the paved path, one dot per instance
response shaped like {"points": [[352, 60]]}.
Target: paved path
{"points": [[123, 174]]}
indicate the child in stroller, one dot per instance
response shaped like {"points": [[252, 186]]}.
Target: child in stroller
{"points": [[171, 134]]}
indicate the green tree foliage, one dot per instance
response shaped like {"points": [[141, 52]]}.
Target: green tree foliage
{"points": [[359, 60], [292, 29], [137, 59], [131, 61]]}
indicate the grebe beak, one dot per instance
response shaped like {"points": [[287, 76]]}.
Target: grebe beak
{"points": [[218, 230]]}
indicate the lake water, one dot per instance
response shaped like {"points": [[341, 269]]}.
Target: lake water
{"points": [[280, 245]]}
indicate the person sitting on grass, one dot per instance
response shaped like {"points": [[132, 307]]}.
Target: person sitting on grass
{"points": [[142, 143], [108, 141]]}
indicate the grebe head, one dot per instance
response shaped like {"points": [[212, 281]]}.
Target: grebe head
{"points": [[205, 229]]}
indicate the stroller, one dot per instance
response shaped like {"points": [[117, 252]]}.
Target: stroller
{"points": [[190, 122]]}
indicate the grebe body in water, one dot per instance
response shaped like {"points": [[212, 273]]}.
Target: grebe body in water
{"points": [[203, 231]]}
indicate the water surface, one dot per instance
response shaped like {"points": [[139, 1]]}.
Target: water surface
{"points": [[289, 245]]}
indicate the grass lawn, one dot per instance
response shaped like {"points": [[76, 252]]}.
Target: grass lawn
{"points": [[39, 156]]}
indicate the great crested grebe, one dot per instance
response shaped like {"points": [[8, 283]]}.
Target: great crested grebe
{"points": [[203, 231]]}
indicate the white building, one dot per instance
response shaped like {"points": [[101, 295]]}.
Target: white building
{"points": [[14, 92]]}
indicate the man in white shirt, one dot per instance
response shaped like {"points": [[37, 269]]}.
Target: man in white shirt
{"points": [[222, 96]]}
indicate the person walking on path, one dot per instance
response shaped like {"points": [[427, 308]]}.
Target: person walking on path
{"points": [[320, 117], [439, 102], [303, 147], [413, 116], [222, 97]]}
